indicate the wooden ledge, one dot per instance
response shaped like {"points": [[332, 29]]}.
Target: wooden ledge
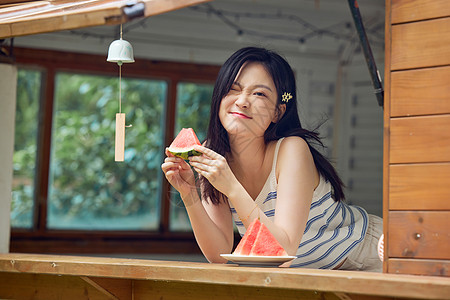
{"points": [[95, 271]]}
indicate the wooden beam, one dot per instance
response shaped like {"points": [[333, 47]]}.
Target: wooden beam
{"points": [[99, 288], [187, 277], [144, 289], [112, 288], [420, 266], [34, 17], [48, 287]]}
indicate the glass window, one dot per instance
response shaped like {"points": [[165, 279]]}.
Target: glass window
{"points": [[87, 188], [25, 144], [193, 106]]}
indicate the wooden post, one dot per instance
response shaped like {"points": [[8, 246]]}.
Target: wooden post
{"points": [[7, 123]]}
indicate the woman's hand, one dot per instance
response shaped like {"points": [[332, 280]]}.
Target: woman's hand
{"points": [[212, 224], [179, 174], [213, 167]]}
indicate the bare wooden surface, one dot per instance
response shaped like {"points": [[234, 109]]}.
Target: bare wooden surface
{"points": [[386, 126], [46, 287], [37, 286], [431, 267], [420, 44], [420, 139], [419, 234], [414, 10], [146, 278], [420, 92], [409, 189]]}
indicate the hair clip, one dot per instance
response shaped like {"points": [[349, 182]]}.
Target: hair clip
{"points": [[286, 97]]}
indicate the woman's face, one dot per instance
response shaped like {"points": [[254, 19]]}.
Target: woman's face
{"points": [[250, 105]]}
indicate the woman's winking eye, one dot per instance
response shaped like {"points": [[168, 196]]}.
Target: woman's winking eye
{"points": [[234, 88], [260, 94]]}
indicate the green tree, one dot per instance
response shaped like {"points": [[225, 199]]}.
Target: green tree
{"points": [[86, 183]]}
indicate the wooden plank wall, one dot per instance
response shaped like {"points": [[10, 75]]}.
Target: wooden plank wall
{"points": [[417, 137]]}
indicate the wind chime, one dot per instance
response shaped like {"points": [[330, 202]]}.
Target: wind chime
{"points": [[120, 51]]}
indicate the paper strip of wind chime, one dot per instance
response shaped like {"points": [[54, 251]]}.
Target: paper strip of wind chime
{"points": [[120, 51]]}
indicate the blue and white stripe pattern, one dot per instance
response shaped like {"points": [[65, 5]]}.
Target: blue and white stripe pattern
{"points": [[333, 228]]}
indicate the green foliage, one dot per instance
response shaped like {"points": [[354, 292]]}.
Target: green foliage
{"points": [[193, 107], [87, 188], [86, 181]]}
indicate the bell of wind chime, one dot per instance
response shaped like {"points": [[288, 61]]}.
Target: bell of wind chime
{"points": [[120, 51]]}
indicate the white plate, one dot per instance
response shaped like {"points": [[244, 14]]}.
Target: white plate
{"points": [[257, 260]]}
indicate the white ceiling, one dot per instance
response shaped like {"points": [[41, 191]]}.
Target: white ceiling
{"points": [[208, 33]]}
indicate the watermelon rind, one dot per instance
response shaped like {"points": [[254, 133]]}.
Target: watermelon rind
{"points": [[184, 153], [183, 145]]}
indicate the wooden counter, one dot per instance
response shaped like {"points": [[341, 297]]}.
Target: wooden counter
{"points": [[28, 276]]}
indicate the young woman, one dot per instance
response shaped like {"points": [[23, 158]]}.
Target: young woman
{"points": [[258, 161]]}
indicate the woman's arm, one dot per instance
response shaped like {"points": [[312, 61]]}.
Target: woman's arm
{"points": [[213, 228], [212, 224], [297, 179]]}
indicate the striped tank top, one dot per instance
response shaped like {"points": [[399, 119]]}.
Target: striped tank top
{"points": [[333, 228]]}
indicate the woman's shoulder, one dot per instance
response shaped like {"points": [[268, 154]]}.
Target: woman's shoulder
{"points": [[293, 144], [294, 151], [288, 148], [295, 160]]}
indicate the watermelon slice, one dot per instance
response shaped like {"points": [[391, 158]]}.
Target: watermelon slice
{"points": [[266, 244], [245, 245], [183, 145], [258, 241]]}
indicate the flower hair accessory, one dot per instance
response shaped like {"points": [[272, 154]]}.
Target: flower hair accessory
{"points": [[286, 97]]}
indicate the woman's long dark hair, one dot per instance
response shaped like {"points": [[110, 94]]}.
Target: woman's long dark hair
{"points": [[289, 125]]}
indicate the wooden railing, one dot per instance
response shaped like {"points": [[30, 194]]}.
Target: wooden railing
{"points": [[26, 276]]}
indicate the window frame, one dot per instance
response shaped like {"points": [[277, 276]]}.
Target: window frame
{"points": [[40, 239]]}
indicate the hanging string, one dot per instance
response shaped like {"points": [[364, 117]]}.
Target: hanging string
{"points": [[120, 78], [120, 88]]}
